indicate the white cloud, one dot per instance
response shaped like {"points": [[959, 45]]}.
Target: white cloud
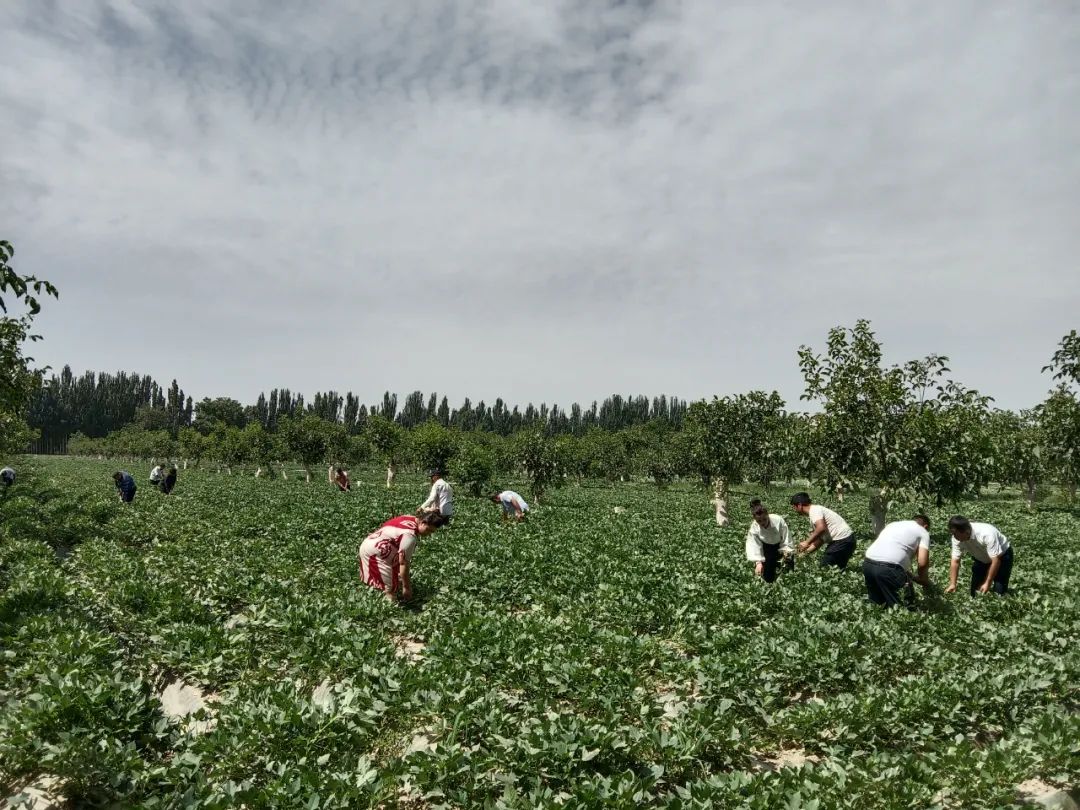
{"points": [[635, 197]]}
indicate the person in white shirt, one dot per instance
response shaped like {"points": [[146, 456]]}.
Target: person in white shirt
{"points": [[441, 497], [156, 475], [767, 540], [828, 528], [887, 564], [512, 504], [991, 553]]}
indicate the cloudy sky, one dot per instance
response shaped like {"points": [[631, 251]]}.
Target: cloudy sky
{"points": [[542, 199]]}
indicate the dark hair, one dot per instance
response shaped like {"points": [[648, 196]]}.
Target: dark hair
{"points": [[959, 523], [759, 510], [923, 518], [494, 496], [433, 518], [800, 499], [756, 502], [117, 475]]}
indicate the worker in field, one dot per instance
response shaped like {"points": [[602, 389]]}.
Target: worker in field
{"points": [[991, 556], [441, 496], [385, 555], [339, 477], [887, 564], [828, 528], [768, 543], [7, 477], [169, 481], [125, 486], [513, 505], [157, 475]]}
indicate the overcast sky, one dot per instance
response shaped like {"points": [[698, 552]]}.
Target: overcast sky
{"points": [[542, 200]]}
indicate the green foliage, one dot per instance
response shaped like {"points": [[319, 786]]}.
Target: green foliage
{"points": [[223, 411], [432, 445], [18, 378], [474, 466], [311, 440], [1059, 418], [904, 429], [559, 662], [1066, 360], [386, 437], [542, 458]]}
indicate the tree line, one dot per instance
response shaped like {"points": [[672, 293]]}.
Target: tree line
{"points": [[905, 433]]}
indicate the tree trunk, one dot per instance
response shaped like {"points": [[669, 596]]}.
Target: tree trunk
{"points": [[1072, 491], [391, 471], [1030, 493], [720, 498], [839, 492], [258, 472], [879, 504], [284, 474]]}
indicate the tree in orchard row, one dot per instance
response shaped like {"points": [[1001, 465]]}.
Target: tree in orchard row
{"points": [[1019, 450], [18, 379], [1060, 414], [904, 430]]}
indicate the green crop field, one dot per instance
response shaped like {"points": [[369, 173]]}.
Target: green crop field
{"points": [[586, 658]]}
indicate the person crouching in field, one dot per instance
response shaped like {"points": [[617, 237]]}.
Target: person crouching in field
{"points": [[767, 541], [339, 476], [991, 553], [887, 564], [125, 486], [441, 497], [828, 528], [169, 481], [385, 555], [7, 477], [157, 475], [512, 504]]}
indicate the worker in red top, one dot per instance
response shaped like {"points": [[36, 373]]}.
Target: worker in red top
{"points": [[385, 555]]}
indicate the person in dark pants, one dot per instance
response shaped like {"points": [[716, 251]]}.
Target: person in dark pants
{"points": [[125, 486], [828, 528], [887, 564], [169, 481], [991, 556], [767, 541], [7, 477]]}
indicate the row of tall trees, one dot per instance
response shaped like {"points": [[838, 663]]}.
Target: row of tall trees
{"points": [[95, 404]]}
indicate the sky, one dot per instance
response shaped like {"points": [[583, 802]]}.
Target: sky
{"points": [[543, 200]]}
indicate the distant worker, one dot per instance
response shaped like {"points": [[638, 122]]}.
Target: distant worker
{"points": [[767, 541], [441, 497], [339, 476], [512, 504], [887, 564], [125, 486], [169, 481], [157, 475], [991, 553], [826, 527], [7, 477], [385, 555]]}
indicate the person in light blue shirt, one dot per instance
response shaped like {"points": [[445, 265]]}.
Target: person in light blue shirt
{"points": [[512, 504], [125, 486]]}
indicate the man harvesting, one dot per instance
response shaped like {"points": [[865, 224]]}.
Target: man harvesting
{"points": [[386, 554], [339, 477], [512, 504], [887, 565], [125, 486], [7, 477], [157, 475], [169, 481], [826, 527], [441, 497], [991, 552], [767, 540]]}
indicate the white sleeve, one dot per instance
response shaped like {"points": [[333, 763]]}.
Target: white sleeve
{"points": [[753, 547], [786, 545], [956, 552], [431, 498], [994, 545], [924, 540]]}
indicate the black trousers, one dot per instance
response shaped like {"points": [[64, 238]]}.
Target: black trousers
{"points": [[979, 570], [885, 581], [771, 552], [838, 552]]}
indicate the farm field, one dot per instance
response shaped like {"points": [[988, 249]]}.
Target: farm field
{"points": [[586, 658]]}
